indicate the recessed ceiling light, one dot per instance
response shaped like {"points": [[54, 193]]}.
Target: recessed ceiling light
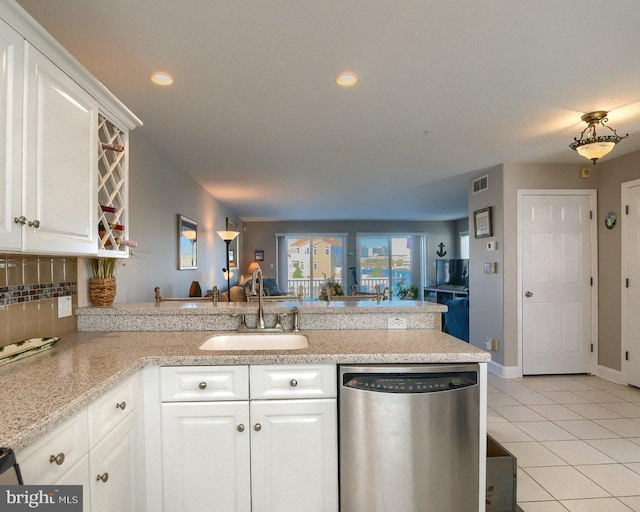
{"points": [[347, 79], [162, 78]]}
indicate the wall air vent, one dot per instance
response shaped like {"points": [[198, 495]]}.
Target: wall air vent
{"points": [[480, 184]]}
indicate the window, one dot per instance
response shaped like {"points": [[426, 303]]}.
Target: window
{"points": [[308, 260], [392, 261], [464, 245]]}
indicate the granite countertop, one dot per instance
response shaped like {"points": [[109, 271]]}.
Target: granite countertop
{"points": [[223, 308], [42, 391]]}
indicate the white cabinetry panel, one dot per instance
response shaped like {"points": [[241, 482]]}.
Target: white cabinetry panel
{"points": [[205, 456], [11, 80], [60, 160], [294, 456]]}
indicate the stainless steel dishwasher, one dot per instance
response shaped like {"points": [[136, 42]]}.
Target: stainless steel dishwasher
{"points": [[409, 438]]}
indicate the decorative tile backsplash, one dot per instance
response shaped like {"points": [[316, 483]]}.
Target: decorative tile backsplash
{"points": [[29, 288]]}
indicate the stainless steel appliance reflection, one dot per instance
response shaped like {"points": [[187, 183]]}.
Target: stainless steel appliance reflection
{"points": [[409, 438]]}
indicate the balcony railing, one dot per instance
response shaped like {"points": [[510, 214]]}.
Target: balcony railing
{"points": [[311, 287]]}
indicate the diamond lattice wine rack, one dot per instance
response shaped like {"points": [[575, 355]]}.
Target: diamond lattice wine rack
{"points": [[113, 198]]}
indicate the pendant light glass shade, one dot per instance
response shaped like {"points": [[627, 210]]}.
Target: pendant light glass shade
{"points": [[594, 146]]}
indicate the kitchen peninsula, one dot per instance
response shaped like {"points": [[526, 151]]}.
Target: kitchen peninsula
{"points": [[148, 343]]}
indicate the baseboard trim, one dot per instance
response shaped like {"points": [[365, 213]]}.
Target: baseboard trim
{"points": [[506, 372], [610, 374]]}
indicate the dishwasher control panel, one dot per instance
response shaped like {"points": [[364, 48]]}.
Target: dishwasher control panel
{"points": [[409, 382]]}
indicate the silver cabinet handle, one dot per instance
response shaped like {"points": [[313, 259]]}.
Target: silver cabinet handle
{"points": [[58, 459], [241, 428], [293, 383], [34, 224], [102, 478], [202, 385], [122, 405], [528, 294], [22, 220], [257, 427]]}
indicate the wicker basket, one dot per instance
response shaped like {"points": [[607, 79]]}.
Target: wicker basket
{"points": [[102, 291]]}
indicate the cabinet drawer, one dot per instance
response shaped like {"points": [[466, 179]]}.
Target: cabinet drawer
{"points": [[45, 461], [111, 408], [204, 383], [299, 381]]}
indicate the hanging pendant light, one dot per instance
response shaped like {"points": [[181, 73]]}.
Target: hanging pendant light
{"points": [[594, 146]]}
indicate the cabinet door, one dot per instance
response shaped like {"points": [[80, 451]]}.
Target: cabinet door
{"points": [[11, 73], [294, 455], [61, 161], [205, 457], [79, 475], [116, 469]]}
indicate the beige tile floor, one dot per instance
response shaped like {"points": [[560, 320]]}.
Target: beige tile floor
{"points": [[576, 438]]}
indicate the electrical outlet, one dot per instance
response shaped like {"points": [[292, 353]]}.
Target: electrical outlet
{"points": [[64, 307], [487, 343], [396, 323], [495, 345]]}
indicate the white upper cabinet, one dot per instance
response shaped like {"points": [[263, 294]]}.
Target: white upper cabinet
{"points": [[11, 75], [60, 161], [52, 187]]}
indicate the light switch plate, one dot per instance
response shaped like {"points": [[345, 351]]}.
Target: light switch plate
{"points": [[65, 307]]}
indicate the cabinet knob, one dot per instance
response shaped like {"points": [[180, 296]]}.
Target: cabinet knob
{"points": [[58, 459], [34, 223], [241, 428], [528, 294], [122, 405], [202, 385], [257, 427], [20, 220], [103, 477], [293, 383]]}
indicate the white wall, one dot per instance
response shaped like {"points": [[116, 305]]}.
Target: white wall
{"points": [[159, 191]]}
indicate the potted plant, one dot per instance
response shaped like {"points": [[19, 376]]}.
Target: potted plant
{"points": [[406, 292], [102, 286], [335, 289]]}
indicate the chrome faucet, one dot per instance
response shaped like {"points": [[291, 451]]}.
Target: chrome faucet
{"points": [[257, 274]]}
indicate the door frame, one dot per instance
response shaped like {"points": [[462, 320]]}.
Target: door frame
{"points": [[593, 204], [625, 338]]}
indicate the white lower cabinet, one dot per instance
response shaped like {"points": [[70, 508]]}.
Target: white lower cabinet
{"points": [[242, 454], [116, 469], [294, 455], [101, 448], [205, 456]]}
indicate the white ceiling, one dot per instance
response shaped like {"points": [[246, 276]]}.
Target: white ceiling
{"points": [[255, 115]]}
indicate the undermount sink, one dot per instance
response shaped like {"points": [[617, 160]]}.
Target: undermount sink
{"points": [[256, 342]]}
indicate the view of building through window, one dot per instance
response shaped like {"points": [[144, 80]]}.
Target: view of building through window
{"points": [[313, 260]]}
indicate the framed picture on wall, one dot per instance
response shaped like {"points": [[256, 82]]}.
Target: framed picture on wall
{"points": [[482, 223], [233, 248], [259, 255], [187, 243]]}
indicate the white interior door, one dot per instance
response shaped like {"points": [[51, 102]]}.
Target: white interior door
{"points": [[557, 264], [630, 305]]}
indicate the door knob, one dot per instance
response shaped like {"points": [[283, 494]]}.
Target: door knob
{"points": [[528, 294]]}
